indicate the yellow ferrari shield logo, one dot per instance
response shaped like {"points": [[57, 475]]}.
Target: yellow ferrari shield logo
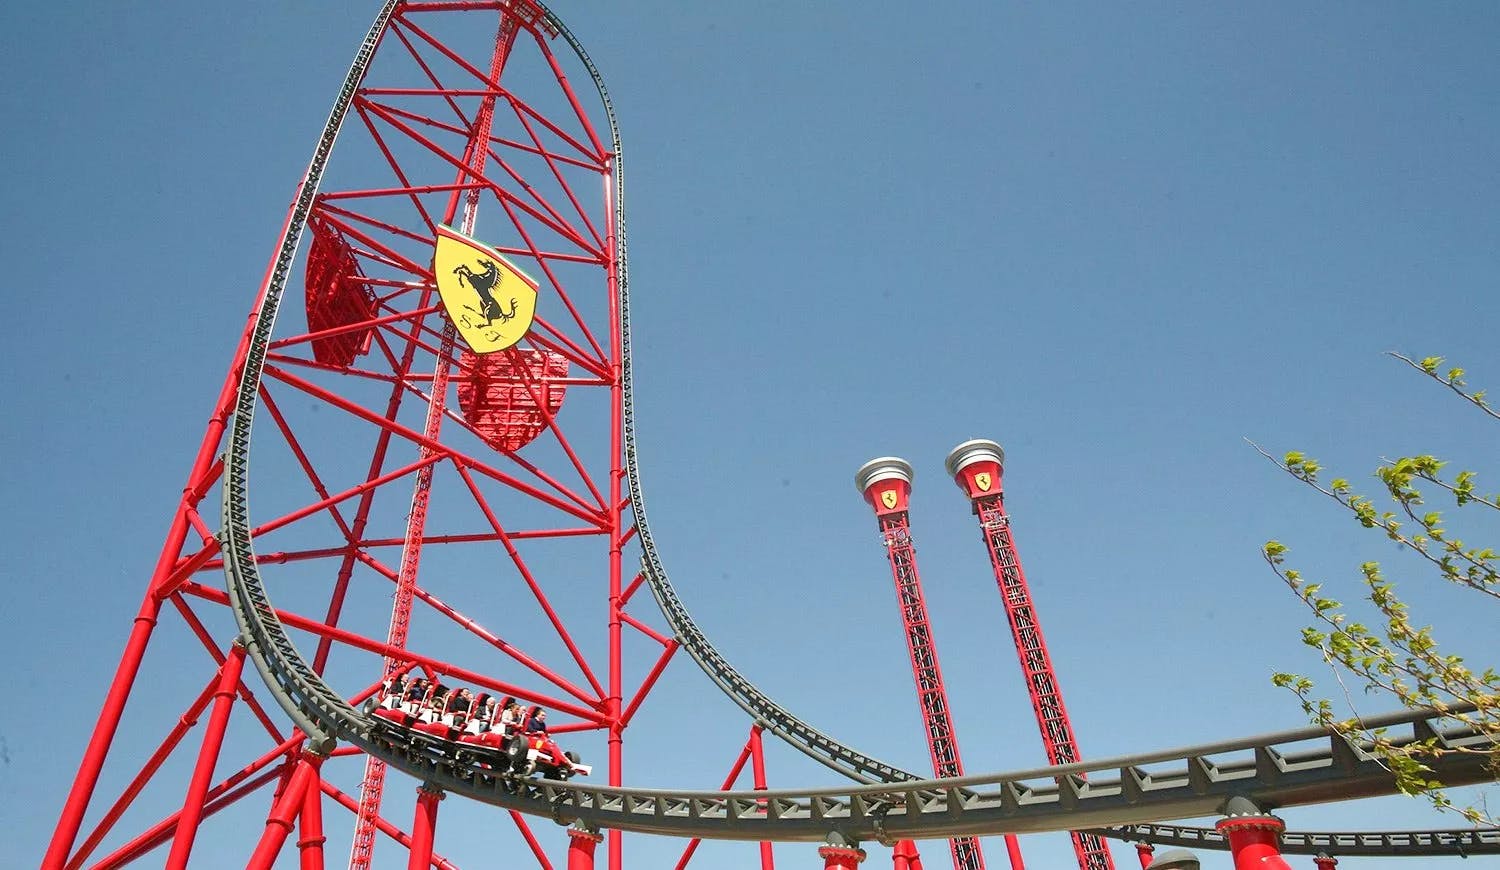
{"points": [[983, 481], [888, 498], [486, 296]]}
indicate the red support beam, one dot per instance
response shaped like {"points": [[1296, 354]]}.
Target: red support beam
{"points": [[905, 857], [310, 825], [581, 844], [1144, 851], [423, 828], [758, 772], [283, 814], [208, 758], [1254, 841], [836, 857]]}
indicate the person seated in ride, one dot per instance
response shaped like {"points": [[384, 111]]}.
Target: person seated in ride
{"points": [[432, 705], [536, 729], [481, 712], [456, 707], [411, 699], [511, 717], [481, 718], [392, 692]]}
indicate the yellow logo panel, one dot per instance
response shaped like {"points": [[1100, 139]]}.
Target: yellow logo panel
{"points": [[486, 296], [983, 481], [889, 498]]}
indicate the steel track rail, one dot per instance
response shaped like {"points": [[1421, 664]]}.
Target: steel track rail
{"points": [[1196, 781], [1345, 844]]}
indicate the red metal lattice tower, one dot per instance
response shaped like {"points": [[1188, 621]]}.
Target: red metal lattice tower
{"points": [[479, 515], [886, 485], [976, 466]]}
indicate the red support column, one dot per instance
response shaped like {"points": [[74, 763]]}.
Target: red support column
{"points": [[310, 843], [886, 485], [423, 828], [1325, 862], [208, 758], [976, 466], [581, 843], [1254, 841], [905, 856], [758, 771], [279, 822], [1144, 852], [840, 857], [200, 478], [104, 734]]}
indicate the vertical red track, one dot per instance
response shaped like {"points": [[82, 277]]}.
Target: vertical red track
{"points": [[886, 485], [977, 467]]}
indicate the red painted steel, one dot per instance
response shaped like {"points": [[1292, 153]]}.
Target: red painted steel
{"points": [[581, 845], [310, 828], [981, 481], [283, 814], [340, 303], [734, 773], [203, 474], [436, 139], [1144, 851], [362, 849], [758, 774], [1325, 862], [423, 829], [1255, 842], [203, 772], [905, 856], [890, 498], [510, 397], [841, 857]]}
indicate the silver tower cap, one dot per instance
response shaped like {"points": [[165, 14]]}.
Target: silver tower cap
{"points": [[1176, 859], [884, 468], [970, 452]]}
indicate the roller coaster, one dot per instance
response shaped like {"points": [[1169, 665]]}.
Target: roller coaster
{"points": [[1114, 797]]}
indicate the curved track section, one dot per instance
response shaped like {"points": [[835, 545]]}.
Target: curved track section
{"points": [[1345, 844], [239, 564], [1271, 770]]}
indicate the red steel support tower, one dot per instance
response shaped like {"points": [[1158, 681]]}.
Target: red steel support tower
{"points": [[456, 118], [976, 466], [886, 485]]}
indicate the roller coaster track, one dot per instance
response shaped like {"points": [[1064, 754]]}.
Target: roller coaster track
{"points": [[1409, 844], [1196, 781]]}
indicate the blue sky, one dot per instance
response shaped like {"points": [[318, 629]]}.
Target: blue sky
{"points": [[1120, 241]]}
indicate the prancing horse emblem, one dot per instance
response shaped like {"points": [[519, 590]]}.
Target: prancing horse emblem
{"points": [[483, 283], [489, 300], [983, 481], [889, 498]]}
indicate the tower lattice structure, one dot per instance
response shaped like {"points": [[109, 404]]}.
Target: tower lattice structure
{"points": [[886, 485], [976, 466]]}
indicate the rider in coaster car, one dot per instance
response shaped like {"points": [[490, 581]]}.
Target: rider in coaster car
{"points": [[481, 713], [411, 699], [510, 717], [536, 724]]}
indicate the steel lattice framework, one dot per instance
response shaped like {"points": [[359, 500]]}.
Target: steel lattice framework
{"points": [[373, 488], [978, 467], [886, 485]]}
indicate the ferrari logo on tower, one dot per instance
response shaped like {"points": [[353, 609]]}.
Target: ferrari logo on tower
{"points": [[889, 499], [983, 481], [486, 296]]}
